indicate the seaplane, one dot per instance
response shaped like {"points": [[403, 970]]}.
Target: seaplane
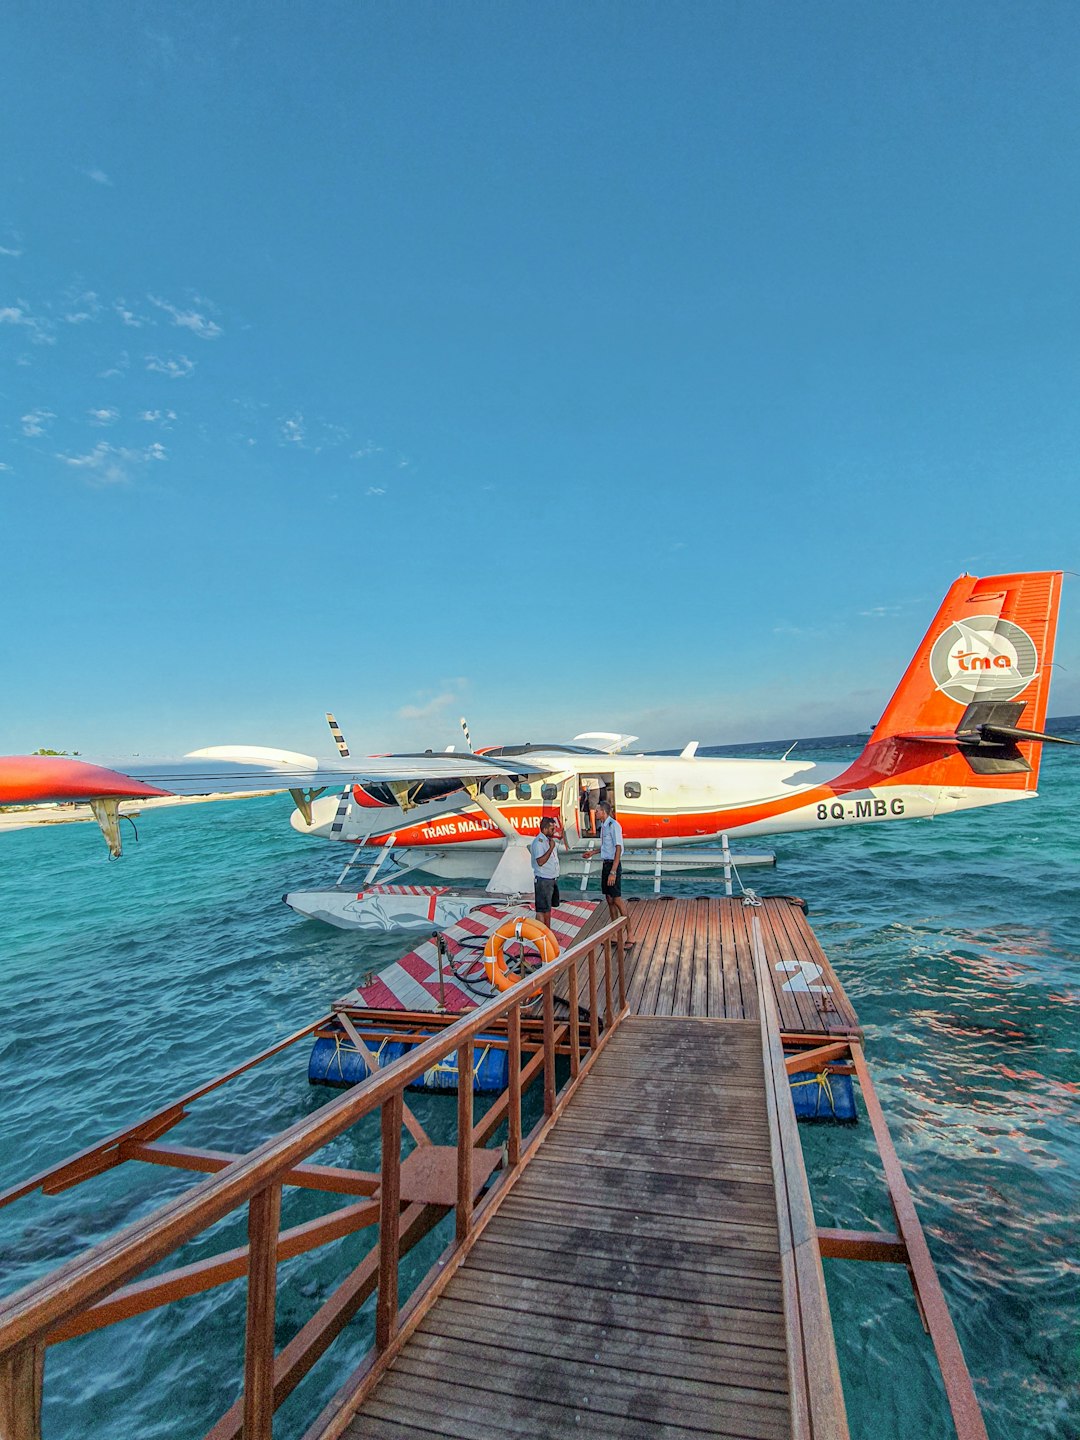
{"points": [[964, 728]]}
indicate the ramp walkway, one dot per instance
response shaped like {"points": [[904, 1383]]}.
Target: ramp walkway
{"points": [[631, 1283], [629, 1242]]}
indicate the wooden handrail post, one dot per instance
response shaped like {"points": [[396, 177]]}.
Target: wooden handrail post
{"points": [[463, 1217], [549, 1049], [386, 1306], [513, 1116], [575, 1020], [609, 1006], [264, 1222], [22, 1370], [594, 1018], [620, 956]]}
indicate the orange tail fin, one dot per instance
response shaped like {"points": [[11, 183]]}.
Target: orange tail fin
{"points": [[975, 690]]}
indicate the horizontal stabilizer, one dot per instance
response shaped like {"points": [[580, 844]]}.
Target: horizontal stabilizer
{"points": [[987, 737]]}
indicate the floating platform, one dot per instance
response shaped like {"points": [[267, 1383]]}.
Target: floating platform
{"points": [[690, 957]]}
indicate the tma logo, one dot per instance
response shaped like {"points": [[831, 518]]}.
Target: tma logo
{"points": [[984, 658]]}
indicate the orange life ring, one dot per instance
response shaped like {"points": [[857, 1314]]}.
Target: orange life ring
{"points": [[518, 927]]}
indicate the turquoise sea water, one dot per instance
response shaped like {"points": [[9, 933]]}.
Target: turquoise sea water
{"points": [[122, 985]]}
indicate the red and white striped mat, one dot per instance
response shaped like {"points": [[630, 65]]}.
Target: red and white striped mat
{"points": [[412, 983]]}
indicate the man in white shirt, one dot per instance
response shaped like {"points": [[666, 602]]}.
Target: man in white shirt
{"points": [[545, 866], [611, 849]]}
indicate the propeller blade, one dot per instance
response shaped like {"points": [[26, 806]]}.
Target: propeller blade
{"points": [[339, 738]]}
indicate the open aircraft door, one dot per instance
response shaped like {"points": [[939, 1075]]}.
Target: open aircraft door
{"points": [[570, 811]]}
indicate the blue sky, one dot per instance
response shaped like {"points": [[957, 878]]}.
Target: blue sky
{"points": [[633, 366]]}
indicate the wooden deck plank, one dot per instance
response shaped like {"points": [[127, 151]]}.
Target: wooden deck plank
{"points": [[744, 959], [682, 980], [592, 1389], [459, 1353], [714, 963], [647, 916], [838, 1013], [568, 1305], [733, 999], [649, 992], [794, 1000], [718, 1232], [705, 1257], [462, 1411], [699, 1000], [611, 1344]]}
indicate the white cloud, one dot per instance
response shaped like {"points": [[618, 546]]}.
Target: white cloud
{"points": [[98, 176], [193, 320], [7, 250], [375, 490], [88, 305], [158, 417], [177, 369], [366, 450], [36, 422], [117, 369], [314, 435], [19, 314], [128, 316], [293, 431], [4, 465], [113, 464], [812, 632], [105, 416], [430, 709]]}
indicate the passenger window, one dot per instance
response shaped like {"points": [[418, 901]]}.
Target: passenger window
{"points": [[549, 793], [523, 791], [632, 790], [499, 791]]}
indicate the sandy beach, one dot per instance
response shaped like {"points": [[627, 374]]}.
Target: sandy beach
{"points": [[24, 817]]}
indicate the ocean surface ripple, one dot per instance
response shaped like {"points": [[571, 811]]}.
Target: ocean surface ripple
{"points": [[126, 984]]}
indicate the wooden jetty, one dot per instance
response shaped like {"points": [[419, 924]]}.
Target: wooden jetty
{"points": [[642, 1262], [695, 957]]}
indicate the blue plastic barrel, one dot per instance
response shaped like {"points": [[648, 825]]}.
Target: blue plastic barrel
{"points": [[334, 1060], [823, 1096]]}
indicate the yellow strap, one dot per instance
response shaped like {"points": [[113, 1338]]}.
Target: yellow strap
{"points": [[822, 1081]]}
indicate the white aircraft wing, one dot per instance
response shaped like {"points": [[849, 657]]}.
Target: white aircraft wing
{"points": [[256, 767], [608, 741]]}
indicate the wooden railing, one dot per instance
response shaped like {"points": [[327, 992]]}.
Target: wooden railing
{"points": [[406, 1199], [816, 1396]]}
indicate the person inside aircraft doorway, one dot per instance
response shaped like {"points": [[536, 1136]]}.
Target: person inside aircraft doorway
{"points": [[590, 795], [611, 853]]}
